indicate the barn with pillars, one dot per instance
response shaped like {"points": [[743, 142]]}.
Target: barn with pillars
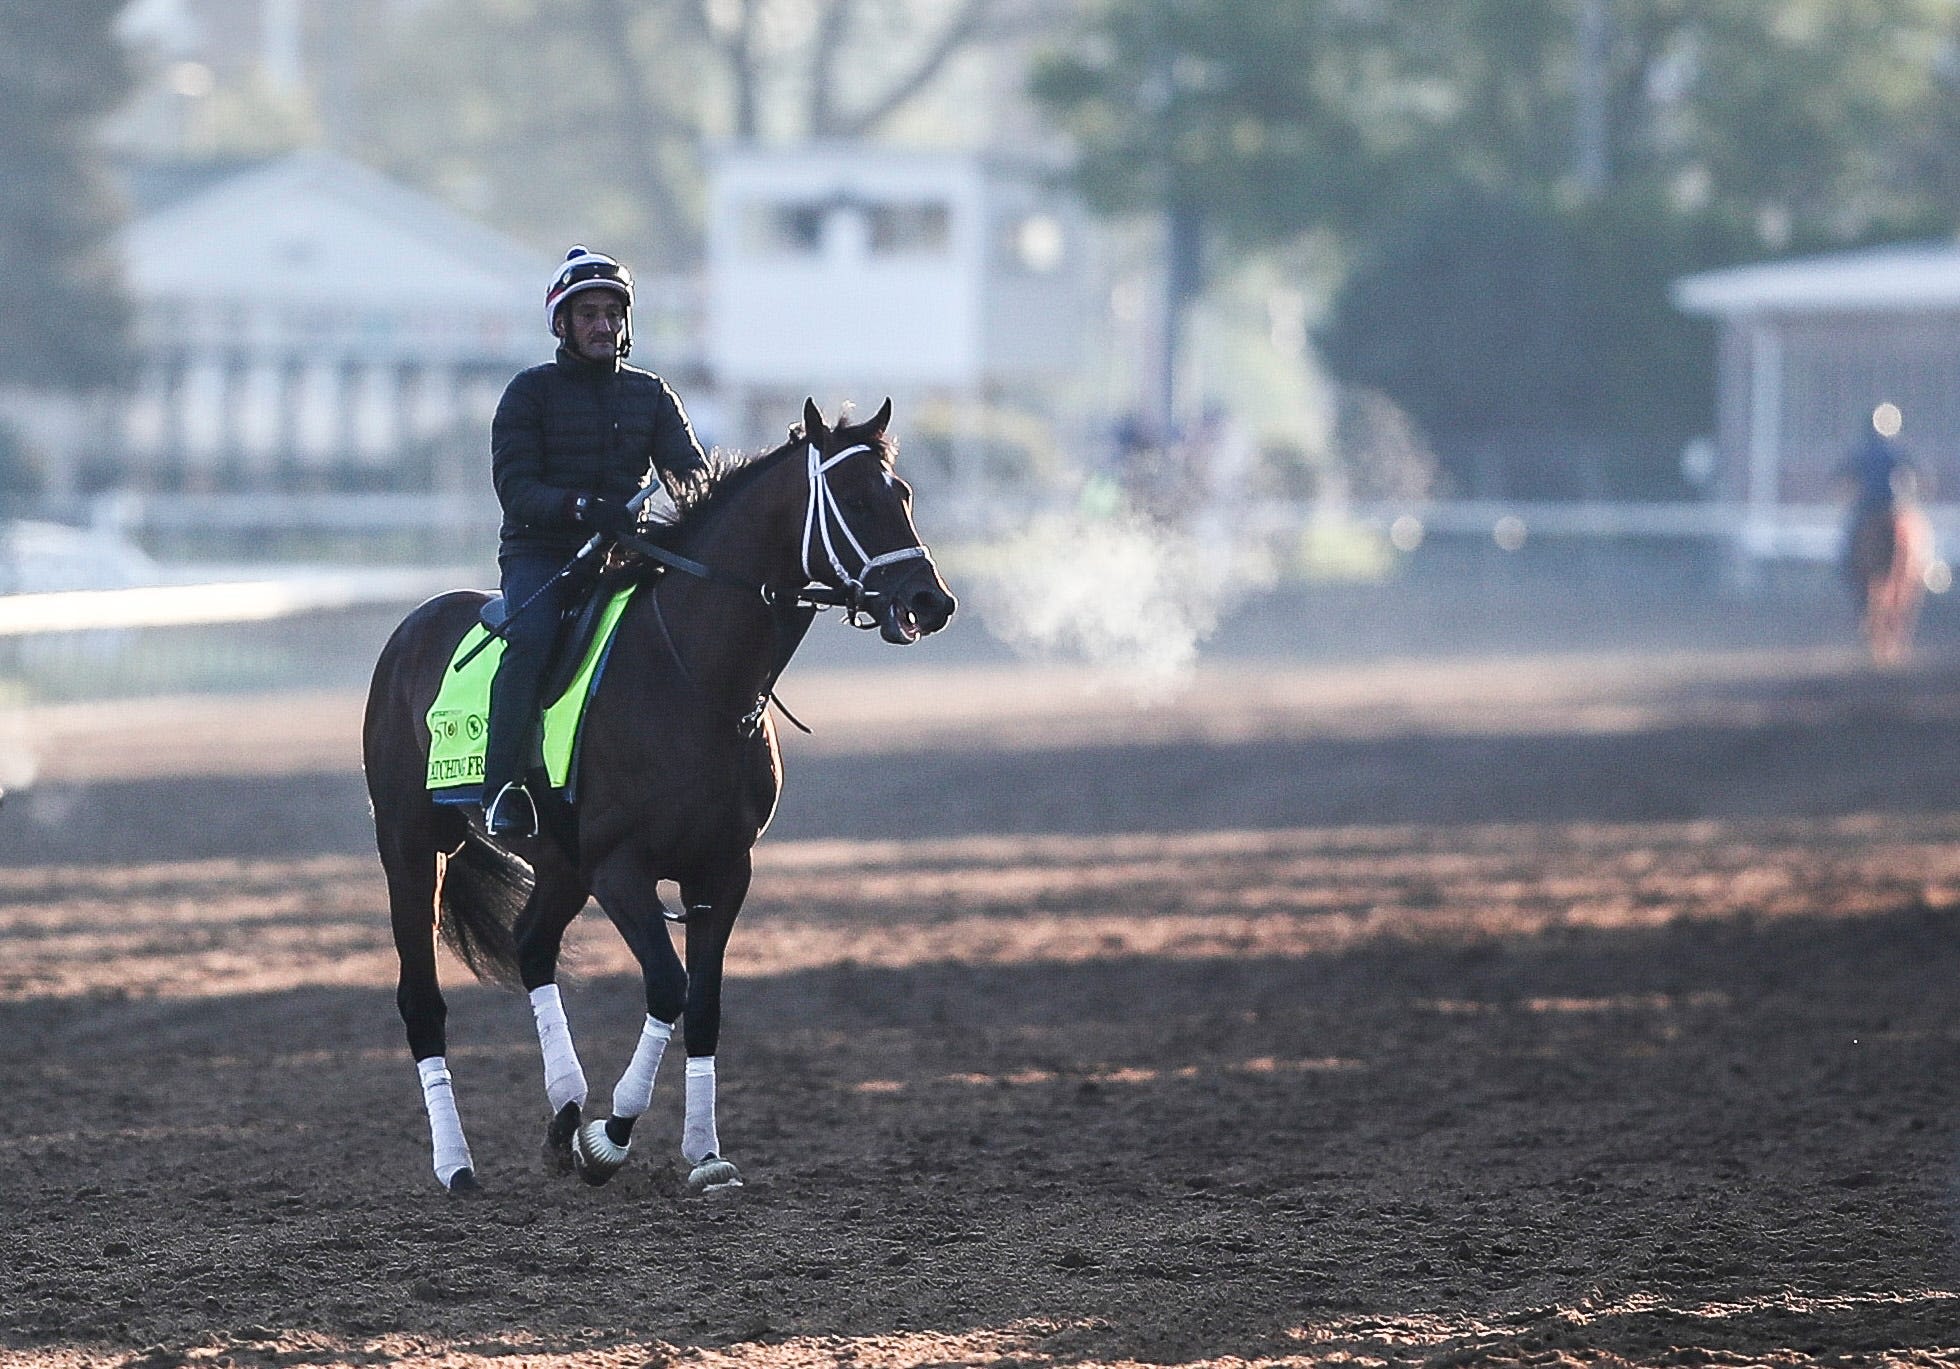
{"points": [[307, 324]]}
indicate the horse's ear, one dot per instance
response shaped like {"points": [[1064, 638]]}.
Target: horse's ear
{"points": [[882, 419], [812, 420]]}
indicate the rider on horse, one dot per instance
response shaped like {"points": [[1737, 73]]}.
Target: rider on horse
{"points": [[1878, 467], [573, 441], [1881, 476]]}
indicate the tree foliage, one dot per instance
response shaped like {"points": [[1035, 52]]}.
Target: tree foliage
{"points": [[64, 321], [1815, 117], [1534, 340], [591, 116], [1807, 117], [1263, 113], [1506, 298]]}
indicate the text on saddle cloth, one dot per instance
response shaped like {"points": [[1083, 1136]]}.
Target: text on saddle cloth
{"points": [[459, 718]]}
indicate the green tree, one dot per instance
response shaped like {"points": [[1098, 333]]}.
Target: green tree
{"points": [[1523, 317], [1533, 339], [1816, 118], [1515, 182], [1242, 121], [61, 72], [1261, 114], [1804, 116]]}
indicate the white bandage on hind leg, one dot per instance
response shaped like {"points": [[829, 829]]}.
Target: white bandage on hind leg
{"points": [[452, 1152], [698, 1136], [634, 1092], [564, 1081]]}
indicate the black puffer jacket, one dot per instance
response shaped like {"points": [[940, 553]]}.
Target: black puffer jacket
{"points": [[572, 427]]}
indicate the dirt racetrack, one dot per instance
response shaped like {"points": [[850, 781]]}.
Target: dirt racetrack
{"points": [[1591, 1004]]}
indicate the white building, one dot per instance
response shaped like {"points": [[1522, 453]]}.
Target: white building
{"points": [[306, 327], [1808, 349], [855, 271], [308, 324]]}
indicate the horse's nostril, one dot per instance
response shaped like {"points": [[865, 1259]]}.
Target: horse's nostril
{"points": [[931, 606]]}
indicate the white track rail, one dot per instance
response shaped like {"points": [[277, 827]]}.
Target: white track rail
{"points": [[227, 601]]}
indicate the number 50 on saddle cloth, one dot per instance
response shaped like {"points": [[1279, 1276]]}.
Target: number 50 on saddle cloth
{"points": [[459, 717]]}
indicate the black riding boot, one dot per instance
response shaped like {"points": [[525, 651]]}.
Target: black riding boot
{"points": [[509, 809]]}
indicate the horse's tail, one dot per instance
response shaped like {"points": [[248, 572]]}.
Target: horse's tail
{"points": [[484, 888]]}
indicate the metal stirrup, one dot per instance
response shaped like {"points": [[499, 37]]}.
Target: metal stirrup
{"points": [[517, 786]]}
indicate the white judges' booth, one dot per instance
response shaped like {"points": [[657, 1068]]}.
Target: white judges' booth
{"points": [[945, 280]]}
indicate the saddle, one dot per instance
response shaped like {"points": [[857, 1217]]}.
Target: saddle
{"points": [[577, 626], [458, 717]]}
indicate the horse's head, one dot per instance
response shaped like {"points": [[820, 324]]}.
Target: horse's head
{"points": [[858, 534]]}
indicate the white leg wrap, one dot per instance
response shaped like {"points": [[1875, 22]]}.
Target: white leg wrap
{"points": [[634, 1091], [564, 1081], [452, 1152], [698, 1136]]}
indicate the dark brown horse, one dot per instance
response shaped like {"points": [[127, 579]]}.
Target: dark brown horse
{"points": [[1887, 552], [678, 775]]}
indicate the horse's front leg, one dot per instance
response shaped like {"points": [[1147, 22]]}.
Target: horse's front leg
{"points": [[713, 904], [539, 934], [627, 891]]}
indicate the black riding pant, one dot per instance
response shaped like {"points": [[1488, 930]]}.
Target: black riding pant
{"points": [[514, 701]]}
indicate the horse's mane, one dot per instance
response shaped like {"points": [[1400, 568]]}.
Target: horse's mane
{"points": [[729, 473]]}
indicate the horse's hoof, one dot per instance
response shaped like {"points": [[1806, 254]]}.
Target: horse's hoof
{"points": [[463, 1184], [594, 1154], [558, 1133], [713, 1175]]}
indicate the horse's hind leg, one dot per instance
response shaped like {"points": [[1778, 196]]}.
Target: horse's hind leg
{"points": [[630, 900], [540, 933], [408, 857]]}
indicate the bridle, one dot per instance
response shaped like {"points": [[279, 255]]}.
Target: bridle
{"points": [[821, 514], [824, 526]]}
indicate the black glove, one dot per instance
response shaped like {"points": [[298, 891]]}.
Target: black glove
{"points": [[603, 515]]}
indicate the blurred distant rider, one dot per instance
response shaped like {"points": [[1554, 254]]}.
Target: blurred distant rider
{"points": [[572, 442], [1878, 468], [1882, 477]]}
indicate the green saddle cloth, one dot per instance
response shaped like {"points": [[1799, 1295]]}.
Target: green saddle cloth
{"points": [[459, 718]]}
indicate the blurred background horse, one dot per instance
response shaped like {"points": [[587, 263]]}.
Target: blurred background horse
{"points": [[1887, 554], [1888, 544]]}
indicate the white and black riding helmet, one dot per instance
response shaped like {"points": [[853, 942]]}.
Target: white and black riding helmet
{"points": [[584, 269]]}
